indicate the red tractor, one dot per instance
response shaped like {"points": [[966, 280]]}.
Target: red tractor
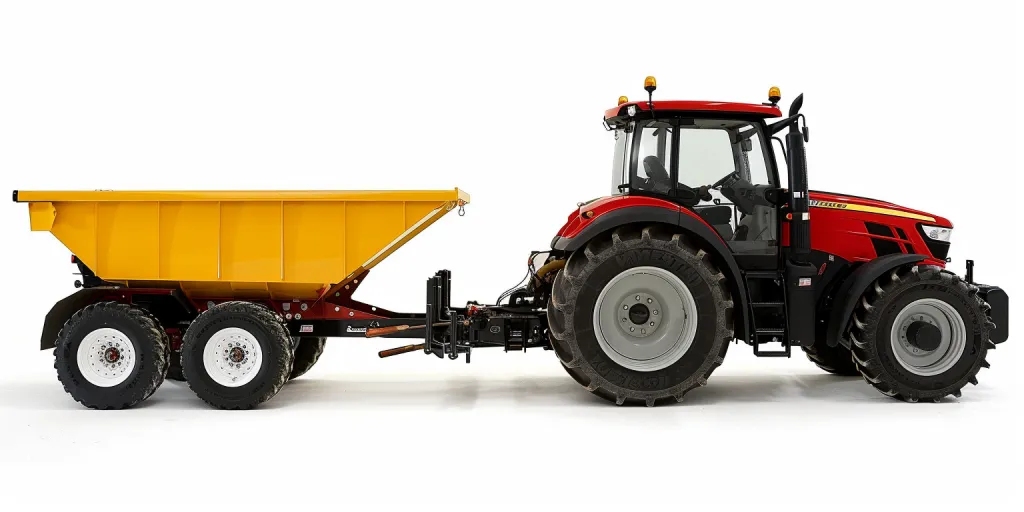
{"points": [[702, 243]]}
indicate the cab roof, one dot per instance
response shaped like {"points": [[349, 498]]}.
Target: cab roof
{"points": [[702, 107]]}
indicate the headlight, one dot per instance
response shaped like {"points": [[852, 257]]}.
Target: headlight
{"points": [[937, 233]]}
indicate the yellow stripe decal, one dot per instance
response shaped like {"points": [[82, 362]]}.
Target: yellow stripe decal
{"points": [[868, 209]]}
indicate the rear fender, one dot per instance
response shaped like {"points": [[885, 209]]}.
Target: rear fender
{"points": [[165, 304], [686, 221], [851, 290], [63, 309]]}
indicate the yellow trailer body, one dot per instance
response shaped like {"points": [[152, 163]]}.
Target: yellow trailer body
{"points": [[239, 244]]}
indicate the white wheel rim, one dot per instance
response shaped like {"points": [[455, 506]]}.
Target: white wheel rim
{"points": [[952, 329], [106, 357], [668, 325], [232, 357]]}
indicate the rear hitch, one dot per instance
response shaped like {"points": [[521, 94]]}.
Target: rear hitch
{"points": [[452, 331]]}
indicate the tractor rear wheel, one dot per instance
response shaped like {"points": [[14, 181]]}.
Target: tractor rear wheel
{"points": [[641, 315], [836, 360], [236, 355], [307, 353], [110, 355], [920, 333]]}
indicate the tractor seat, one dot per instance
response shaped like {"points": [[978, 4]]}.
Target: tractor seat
{"points": [[719, 217]]}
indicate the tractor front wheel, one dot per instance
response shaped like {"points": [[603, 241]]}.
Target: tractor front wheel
{"points": [[836, 360], [641, 315], [921, 333]]}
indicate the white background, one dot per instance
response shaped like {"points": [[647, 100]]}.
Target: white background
{"points": [[912, 103]]}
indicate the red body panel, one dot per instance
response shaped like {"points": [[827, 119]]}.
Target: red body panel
{"points": [[837, 223], [577, 221], [842, 232], [699, 106]]}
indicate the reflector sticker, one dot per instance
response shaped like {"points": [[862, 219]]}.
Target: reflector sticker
{"points": [[306, 328], [804, 281], [814, 203]]}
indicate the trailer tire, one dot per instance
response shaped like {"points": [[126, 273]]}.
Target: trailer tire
{"points": [[917, 368], [836, 360], [307, 353], [174, 368], [236, 355], [94, 376], [592, 277]]}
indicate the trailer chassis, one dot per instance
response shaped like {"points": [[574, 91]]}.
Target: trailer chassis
{"points": [[446, 331]]}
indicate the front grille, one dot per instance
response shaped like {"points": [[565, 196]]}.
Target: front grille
{"points": [[882, 247]]}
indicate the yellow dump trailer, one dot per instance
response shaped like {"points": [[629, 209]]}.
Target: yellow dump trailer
{"points": [[265, 244], [234, 291]]}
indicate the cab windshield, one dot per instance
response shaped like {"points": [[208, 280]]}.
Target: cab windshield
{"points": [[707, 150]]}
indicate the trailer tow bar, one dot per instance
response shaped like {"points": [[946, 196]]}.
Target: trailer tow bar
{"points": [[448, 340], [454, 331]]}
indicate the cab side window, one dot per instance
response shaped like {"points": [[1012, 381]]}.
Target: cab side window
{"points": [[654, 158], [705, 156]]}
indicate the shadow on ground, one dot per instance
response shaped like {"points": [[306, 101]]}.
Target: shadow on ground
{"points": [[312, 393]]}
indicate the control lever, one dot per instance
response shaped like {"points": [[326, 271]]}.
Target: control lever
{"points": [[393, 329], [399, 350]]}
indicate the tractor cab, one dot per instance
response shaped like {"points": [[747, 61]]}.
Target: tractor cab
{"points": [[712, 158]]}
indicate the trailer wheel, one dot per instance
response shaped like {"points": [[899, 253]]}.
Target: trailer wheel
{"points": [[640, 316], [836, 360], [307, 353], [236, 355], [174, 368], [920, 333], [110, 355]]}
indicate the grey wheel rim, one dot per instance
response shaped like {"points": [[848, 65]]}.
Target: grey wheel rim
{"points": [[645, 319], [952, 340]]}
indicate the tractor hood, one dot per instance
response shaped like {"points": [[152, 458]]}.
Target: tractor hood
{"points": [[837, 201]]}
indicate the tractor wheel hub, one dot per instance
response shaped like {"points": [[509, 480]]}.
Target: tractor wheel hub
{"points": [[924, 335]]}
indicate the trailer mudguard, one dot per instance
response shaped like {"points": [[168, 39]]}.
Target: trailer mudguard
{"points": [[854, 287], [684, 219], [63, 309]]}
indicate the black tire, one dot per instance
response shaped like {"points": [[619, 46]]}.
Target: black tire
{"points": [[307, 353], [174, 368], [836, 360], [574, 295], [874, 317], [274, 342], [150, 344]]}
